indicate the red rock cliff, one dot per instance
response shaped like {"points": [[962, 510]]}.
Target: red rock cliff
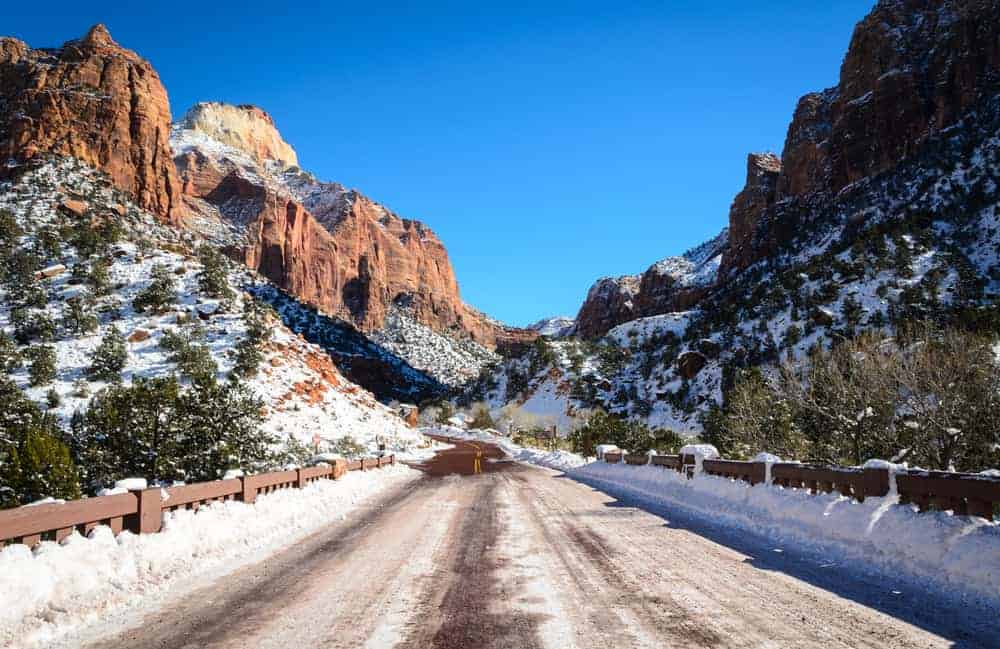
{"points": [[913, 68], [329, 246], [96, 101]]}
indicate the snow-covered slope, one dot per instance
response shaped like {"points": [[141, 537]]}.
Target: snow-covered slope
{"points": [[452, 361], [921, 243], [303, 392], [555, 327]]}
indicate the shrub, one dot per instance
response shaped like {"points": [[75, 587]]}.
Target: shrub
{"points": [[109, 358], [481, 418], [42, 370], [348, 447], [156, 429], [160, 295], [10, 357], [34, 463], [78, 318], [604, 428], [213, 279], [194, 360]]}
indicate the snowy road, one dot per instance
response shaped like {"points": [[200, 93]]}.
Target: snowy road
{"points": [[524, 557]]}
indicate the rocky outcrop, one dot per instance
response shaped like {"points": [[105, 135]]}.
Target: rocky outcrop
{"points": [[763, 171], [93, 100], [913, 68], [671, 284], [610, 301], [331, 247], [245, 127]]}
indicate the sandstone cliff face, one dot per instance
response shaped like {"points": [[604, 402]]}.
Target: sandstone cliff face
{"points": [[96, 101], [245, 127], [610, 301], [763, 172], [330, 247], [913, 68], [671, 284]]}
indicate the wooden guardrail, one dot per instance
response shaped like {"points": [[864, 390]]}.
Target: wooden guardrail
{"points": [[141, 511], [965, 494]]}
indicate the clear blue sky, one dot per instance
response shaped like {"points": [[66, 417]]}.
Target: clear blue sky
{"points": [[547, 144]]}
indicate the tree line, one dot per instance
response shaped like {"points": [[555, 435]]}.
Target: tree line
{"points": [[928, 396]]}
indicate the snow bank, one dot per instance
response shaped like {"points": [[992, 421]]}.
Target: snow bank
{"points": [[48, 592], [960, 555]]}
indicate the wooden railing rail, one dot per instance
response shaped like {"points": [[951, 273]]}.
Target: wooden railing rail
{"points": [[141, 511], [965, 494], [669, 461], [752, 472]]}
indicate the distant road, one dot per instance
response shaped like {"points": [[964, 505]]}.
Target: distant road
{"points": [[524, 557]]}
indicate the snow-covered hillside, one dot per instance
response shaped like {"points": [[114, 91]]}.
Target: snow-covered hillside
{"points": [[555, 327], [304, 394], [922, 243], [452, 361]]}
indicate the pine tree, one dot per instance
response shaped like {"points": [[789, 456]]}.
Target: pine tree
{"points": [[109, 358], [156, 429], [10, 231], [30, 325], [78, 317], [48, 244], [34, 463], [213, 279], [99, 278], [23, 288], [249, 352], [248, 358], [42, 370], [128, 431], [159, 295], [10, 357], [194, 360]]}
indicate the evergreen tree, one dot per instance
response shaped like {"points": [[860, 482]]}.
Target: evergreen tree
{"points": [[78, 318], [99, 278], [48, 244], [213, 279], [23, 288], [159, 295], [129, 431], [42, 370], [109, 358], [10, 231], [249, 351], [34, 463], [32, 325], [248, 358], [158, 430], [194, 360], [10, 357]]}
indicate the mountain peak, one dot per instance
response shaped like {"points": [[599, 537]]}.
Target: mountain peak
{"points": [[244, 127], [98, 36]]}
